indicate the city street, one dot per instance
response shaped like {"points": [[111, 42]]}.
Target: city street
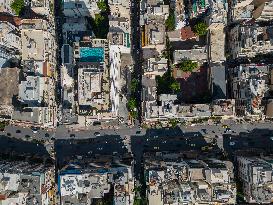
{"points": [[71, 144], [65, 133]]}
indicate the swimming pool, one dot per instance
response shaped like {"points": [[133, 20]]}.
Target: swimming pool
{"points": [[88, 54]]}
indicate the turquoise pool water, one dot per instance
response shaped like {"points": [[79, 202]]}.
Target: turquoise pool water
{"points": [[88, 54]]}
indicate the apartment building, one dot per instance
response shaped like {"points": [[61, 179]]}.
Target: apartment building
{"points": [[179, 12], [196, 8], [256, 175], [164, 107], [249, 40], [26, 183], [85, 8], [9, 83], [245, 10], [86, 183], [250, 85], [38, 47], [37, 97], [10, 41], [43, 7], [224, 108], [152, 21], [92, 58], [5, 6], [170, 180], [120, 78], [196, 53], [36, 91], [119, 37]]}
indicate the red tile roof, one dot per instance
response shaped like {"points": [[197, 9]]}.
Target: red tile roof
{"points": [[16, 21], [187, 33]]}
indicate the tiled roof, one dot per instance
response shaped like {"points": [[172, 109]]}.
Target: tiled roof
{"points": [[16, 21], [187, 33]]}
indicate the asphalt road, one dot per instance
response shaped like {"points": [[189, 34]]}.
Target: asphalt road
{"points": [[65, 133], [71, 145]]}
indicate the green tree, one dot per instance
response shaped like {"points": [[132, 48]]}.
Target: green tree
{"points": [[170, 22], [188, 65], [134, 84], [102, 5], [200, 28], [175, 86], [3, 124], [132, 104], [17, 6], [173, 122], [100, 25], [166, 84], [133, 114]]}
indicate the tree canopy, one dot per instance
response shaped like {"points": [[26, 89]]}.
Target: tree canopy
{"points": [[134, 85], [100, 25], [200, 28], [167, 84], [187, 65], [102, 5], [175, 86], [170, 22], [17, 6], [132, 104]]}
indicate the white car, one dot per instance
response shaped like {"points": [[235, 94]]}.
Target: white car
{"points": [[232, 143], [34, 130], [97, 134]]}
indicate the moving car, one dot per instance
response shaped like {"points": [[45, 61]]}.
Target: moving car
{"points": [[34, 129]]}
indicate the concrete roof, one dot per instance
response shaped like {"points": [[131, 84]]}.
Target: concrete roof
{"points": [[218, 76]]}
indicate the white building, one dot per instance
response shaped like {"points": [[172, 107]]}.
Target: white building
{"points": [[24, 183], [82, 185], [85, 8], [10, 42], [38, 47], [43, 7], [172, 180], [36, 90], [250, 84], [5, 6], [248, 41]]}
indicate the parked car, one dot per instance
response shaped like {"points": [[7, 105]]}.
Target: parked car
{"points": [[97, 134]]}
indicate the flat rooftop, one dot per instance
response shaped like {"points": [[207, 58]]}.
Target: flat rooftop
{"points": [[33, 45], [9, 83]]}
